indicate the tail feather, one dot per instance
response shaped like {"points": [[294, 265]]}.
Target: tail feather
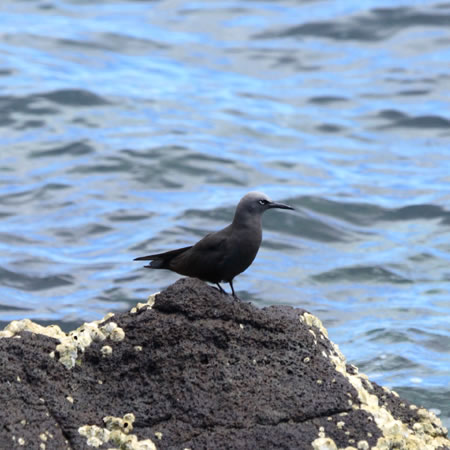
{"points": [[157, 264], [161, 260]]}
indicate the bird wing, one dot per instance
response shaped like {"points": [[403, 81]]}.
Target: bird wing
{"points": [[212, 242], [165, 255], [204, 259], [162, 260]]}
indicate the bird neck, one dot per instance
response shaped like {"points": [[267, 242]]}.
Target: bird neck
{"points": [[248, 221]]}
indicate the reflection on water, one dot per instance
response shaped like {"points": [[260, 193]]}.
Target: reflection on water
{"points": [[129, 127]]}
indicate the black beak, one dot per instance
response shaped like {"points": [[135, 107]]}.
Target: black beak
{"points": [[279, 205]]}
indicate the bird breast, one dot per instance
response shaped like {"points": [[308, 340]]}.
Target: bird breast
{"points": [[242, 250]]}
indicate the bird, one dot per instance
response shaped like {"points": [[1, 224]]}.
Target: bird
{"points": [[222, 255]]}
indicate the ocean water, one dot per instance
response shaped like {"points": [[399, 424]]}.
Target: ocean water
{"points": [[131, 127]]}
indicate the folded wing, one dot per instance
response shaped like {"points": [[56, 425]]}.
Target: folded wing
{"points": [[162, 260]]}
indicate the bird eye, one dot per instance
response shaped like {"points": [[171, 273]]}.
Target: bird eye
{"points": [[263, 202]]}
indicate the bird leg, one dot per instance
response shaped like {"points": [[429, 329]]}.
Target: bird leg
{"points": [[232, 290], [221, 289]]}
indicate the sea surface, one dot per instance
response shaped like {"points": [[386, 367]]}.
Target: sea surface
{"points": [[132, 127]]}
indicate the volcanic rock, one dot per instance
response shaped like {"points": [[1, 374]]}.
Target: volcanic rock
{"points": [[195, 369]]}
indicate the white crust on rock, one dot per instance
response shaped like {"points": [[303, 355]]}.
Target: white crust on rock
{"points": [[427, 434]]}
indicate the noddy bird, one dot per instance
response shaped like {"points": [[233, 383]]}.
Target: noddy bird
{"points": [[222, 255]]}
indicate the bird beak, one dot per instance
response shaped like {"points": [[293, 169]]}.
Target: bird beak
{"points": [[279, 205]]}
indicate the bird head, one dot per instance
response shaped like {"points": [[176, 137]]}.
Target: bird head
{"points": [[255, 203]]}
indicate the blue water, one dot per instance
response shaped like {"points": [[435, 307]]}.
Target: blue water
{"points": [[135, 127]]}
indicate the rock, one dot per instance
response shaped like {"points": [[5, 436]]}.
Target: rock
{"points": [[195, 369]]}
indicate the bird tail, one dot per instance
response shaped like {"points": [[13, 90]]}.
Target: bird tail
{"points": [[161, 260]]}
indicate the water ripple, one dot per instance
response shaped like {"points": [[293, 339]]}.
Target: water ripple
{"points": [[33, 283], [134, 126], [377, 25]]}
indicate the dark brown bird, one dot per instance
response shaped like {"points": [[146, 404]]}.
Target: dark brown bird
{"points": [[222, 255]]}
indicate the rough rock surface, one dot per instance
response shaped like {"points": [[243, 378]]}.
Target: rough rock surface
{"points": [[197, 370]]}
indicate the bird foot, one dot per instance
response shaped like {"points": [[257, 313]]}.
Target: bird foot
{"points": [[220, 289], [223, 291]]}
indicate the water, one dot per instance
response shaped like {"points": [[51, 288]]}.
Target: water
{"points": [[135, 127]]}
